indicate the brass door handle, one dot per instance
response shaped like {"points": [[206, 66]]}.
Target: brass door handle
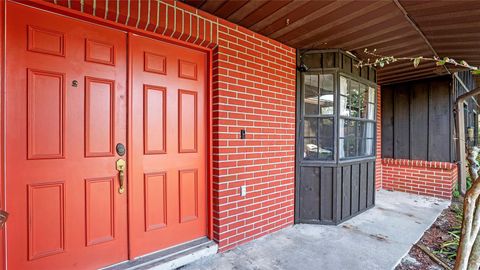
{"points": [[121, 174]]}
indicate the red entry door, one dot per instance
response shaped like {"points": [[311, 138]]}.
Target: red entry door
{"points": [[65, 112], [168, 145]]}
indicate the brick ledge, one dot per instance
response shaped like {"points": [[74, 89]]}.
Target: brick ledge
{"points": [[419, 163]]}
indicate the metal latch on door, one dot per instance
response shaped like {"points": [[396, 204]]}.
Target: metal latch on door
{"points": [[121, 174]]}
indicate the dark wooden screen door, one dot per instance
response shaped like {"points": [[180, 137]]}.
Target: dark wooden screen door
{"points": [[65, 112], [168, 145]]}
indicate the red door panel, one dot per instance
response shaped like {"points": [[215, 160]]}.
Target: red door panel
{"points": [[65, 112], [168, 145], [66, 107]]}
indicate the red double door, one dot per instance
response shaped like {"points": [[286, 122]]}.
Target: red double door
{"points": [[73, 93]]}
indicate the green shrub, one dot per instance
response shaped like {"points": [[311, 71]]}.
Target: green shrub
{"points": [[456, 191]]}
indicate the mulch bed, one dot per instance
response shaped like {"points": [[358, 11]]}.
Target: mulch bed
{"points": [[433, 239]]}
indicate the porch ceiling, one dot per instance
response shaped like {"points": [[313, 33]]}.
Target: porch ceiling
{"points": [[396, 27]]}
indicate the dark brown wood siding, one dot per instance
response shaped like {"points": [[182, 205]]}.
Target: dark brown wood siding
{"points": [[332, 194], [417, 120], [331, 191]]}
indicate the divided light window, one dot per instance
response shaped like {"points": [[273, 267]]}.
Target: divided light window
{"points": [[318, 116], [357, 119]]}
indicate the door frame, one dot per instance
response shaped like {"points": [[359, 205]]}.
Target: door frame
{"points": [[129, 30]]}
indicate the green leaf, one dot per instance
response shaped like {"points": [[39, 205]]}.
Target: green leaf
{"points": [[416, 61], [440, 62], [476, 72]]}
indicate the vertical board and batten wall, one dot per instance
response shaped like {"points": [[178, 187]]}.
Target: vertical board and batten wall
{"points": [[330, 192], [417, 120]]}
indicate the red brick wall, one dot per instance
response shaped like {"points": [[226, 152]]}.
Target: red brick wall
{"points": [[430, 178], [253, 89]]}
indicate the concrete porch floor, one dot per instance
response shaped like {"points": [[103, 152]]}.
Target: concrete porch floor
{"points": [[376, 239]]}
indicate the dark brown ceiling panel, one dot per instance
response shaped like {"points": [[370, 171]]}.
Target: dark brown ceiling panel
{"points": [[374, 24], [274, 16], [433, 7], [452, 26], [263, 12], [340, 19], [229, 7], [319, 14], [374, 40], [297, 17], [196, 3], [337, 35], [246, 10], [409, 69], [457, 36], [210, 6], [411, 76], [402, 28], [471, 15]]}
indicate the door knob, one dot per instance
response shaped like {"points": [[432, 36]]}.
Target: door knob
{"points": [[121, 174]]}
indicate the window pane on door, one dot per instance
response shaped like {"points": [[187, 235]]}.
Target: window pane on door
{"points": [[327, 95], [354, 99], [311, 95], [325, 138], [310, 127], [310, 148], [362, 101]]}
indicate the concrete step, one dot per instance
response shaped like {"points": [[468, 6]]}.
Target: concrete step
{"points": [[171, 258]]}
